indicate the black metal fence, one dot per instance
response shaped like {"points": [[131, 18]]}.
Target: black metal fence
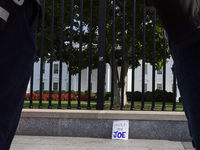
{"points": [[119, 6]]}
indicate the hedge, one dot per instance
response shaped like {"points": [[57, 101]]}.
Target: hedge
{"points": [[147, 96], [55, 97]]}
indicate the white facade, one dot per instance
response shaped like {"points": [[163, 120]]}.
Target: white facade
{"points": [[148, 78], [65, 77], [84, 78]]}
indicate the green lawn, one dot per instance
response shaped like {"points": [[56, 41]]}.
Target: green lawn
{"points": [[137, 105]]}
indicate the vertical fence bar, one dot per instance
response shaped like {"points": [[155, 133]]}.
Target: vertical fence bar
{"points": [[123, 53], [31, 91], [51, 54], [41, 56], [153, 67], [61, 52], [80, 57], [113, 57], [133, 57], [164, 73], [90, 55], [174, 90], [143, 55], [101, 55], [70, 53]]}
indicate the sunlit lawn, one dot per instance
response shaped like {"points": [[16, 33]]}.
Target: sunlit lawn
{"points": [[137, 105]]}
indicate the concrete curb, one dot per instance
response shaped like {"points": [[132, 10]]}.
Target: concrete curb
{"points": [[104, 114], [162, 125]]}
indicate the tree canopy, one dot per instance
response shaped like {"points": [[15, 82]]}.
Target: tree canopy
{"points": [[85, 33], [95, 22]]}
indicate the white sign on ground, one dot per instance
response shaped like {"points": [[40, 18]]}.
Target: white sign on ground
{"points": [[120, 129]]}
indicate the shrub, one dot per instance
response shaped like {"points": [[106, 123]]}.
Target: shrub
{"points": [[93, 98], [54, 92], [107, 95], [91, 93], [37, 92], [84, 97], [27, 96], [36, 96], [45, 92], [169, 97], [73, 92], [76, 92], [149, 97], [73, 97], [63, 92], [45, 97], [146, 94], [128, 94], [64, 97], [137, 96], [158, 95]]}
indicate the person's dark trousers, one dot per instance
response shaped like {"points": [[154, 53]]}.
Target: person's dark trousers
{"points": [[187, 69], [17, 53]]}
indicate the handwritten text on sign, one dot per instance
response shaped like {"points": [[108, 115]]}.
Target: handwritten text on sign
{"points": [[120, 129]]}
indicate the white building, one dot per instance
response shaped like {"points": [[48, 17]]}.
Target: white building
{"points": [[84, 78]]}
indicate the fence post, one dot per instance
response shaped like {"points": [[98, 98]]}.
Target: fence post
{"points": [[101, 55]]}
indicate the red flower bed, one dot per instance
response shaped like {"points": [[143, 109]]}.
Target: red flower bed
{"points": [[45, 97], [55, 97], [27, 96]]}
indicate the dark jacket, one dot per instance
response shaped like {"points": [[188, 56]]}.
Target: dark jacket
{"points": [[5, 9], [180, 18]]}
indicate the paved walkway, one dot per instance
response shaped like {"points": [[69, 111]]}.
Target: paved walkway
{"points": [[75, 143]]}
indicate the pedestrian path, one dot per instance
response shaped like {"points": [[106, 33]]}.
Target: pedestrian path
{"points": [[78, 143]]}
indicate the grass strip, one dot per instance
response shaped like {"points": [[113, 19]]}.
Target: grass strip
{"points": [[137, 105]]}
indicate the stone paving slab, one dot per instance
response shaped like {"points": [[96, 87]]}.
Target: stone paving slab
{"points": [[188, 145], [76, 143]]}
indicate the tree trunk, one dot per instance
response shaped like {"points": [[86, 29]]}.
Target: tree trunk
{"points": [[118, 81], [125, 102]]}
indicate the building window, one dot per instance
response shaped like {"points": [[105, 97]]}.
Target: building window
{"points": [[145, 87], [91, 86], [55, 86], [159, 71], [145, 68], [159, 86], [55, 68], [43, 68]]}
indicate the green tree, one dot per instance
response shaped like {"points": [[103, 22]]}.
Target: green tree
{"points": [[118, 37]]}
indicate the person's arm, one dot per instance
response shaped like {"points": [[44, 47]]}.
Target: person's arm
{"points": [[5, 9]]}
